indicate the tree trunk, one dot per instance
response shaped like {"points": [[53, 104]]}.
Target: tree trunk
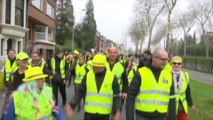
{"points": [[150, 38], [136, 49], [141, 43], [184, 49], [205, 42], [168, 46]]}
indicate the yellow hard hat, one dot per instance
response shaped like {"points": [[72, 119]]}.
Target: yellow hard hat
{"points": [[177, 59], [99, 60], [34, 73], [76, 52], [22, 56]]}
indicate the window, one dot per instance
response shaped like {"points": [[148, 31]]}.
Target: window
{"points": [[40, 32], [50, 10], [50, 34], [43, 33], [40, 28], [8, 11], [19, 12], [37, 3]]}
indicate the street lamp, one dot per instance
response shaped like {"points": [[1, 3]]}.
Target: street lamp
{"points": [[73, 30]]}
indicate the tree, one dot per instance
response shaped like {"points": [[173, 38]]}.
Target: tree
{"points": [[64, 21], [161, 32], [186, 23], [137, 32], [89, 27], [135, 35], [150, 10], [204, 15], [170, 4]]}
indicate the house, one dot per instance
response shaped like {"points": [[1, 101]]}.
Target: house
{"points": [[42, 27], [13, 25], [27, 25]]}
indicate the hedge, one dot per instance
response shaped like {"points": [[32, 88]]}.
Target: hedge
{"points": [[198, 64]]}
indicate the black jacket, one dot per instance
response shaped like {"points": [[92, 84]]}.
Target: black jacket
{"points": [[58, 77], [133, 92], [99, 77]]}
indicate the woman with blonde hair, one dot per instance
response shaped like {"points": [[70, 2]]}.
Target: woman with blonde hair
{"points": [[182, 90]]}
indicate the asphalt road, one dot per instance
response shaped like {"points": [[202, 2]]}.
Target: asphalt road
{"points": [[200, 76]]}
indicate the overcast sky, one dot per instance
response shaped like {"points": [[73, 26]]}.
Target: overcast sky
{"points": [[113, 17]]}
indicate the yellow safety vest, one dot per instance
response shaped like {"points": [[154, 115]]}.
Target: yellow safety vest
{"points": [[168, 66], [99, 102], [42, 65], [80, 72], [130, 76], [154, 96], [118, 70], [181, 94], [9, 69], [11, 78], [89, 66], [62, 67], [25, 109]]}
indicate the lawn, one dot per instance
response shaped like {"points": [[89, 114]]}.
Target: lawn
{"points": [[203, 100]]}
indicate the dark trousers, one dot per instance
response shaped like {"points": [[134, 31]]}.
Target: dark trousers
{"points": [[144, 118], [62, 88], [88, 116], [75, 90]]}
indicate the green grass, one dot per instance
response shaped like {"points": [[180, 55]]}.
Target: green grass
{"points": [[202, 95]]}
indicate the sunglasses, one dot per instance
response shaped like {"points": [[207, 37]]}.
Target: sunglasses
{"points": [[174, 63]]}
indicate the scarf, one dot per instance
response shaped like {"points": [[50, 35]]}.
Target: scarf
{"points": [[177, 80]]}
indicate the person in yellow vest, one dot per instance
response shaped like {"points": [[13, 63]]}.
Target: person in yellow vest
{"points": [[37, 61], [16, 76], [130, 71], [101, 90], [68, 60], [149, 93], [33, 100], [182, 91], [80, 71], [10, 65], [73, 65], [117, 68], [60, 72]]}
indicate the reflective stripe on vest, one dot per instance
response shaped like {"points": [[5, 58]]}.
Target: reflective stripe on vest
{"points": [[118, 70], [80, 72], [9, 68], [62, 67], [99, 102], [130, 76], [181, 94], [25, 109], [153, 96]]}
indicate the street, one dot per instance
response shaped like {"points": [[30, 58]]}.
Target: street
{"points": [[200, 76]]}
